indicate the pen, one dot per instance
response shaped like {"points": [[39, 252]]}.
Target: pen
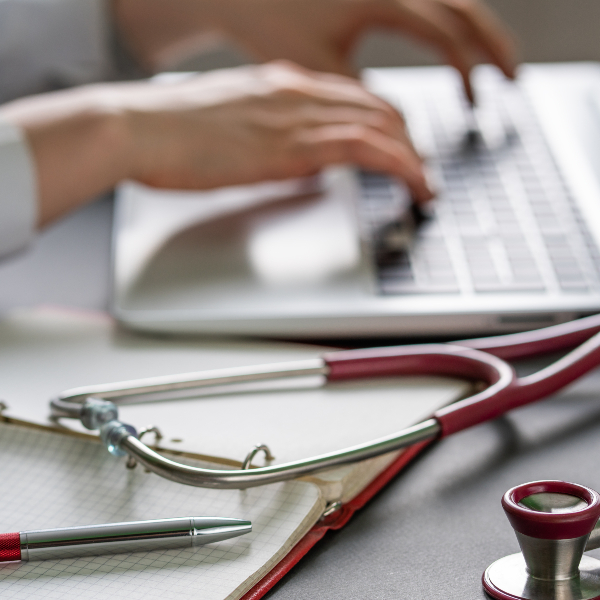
{"points": [[113, 538]]}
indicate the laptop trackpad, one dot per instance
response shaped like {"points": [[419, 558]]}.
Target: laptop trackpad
{"points": [[258, 244]]}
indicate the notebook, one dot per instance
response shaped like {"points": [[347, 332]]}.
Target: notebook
{"points": [[57, 478]]}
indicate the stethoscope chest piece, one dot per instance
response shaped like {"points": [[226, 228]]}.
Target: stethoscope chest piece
{"points": [[555, 522]]}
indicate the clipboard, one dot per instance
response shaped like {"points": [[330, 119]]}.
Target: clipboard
{"points": [[94, 338], [336, 520]]}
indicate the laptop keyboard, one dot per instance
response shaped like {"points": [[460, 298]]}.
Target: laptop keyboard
{"points": [[504, 220]]}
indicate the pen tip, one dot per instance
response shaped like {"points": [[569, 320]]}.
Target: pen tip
{"points": [[218, 529]]}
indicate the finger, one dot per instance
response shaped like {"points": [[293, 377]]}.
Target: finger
{"points": [[343, 85], [488, 32], [364, 147], [314, 115], [427, 21], [326, 89], [392, 127]]}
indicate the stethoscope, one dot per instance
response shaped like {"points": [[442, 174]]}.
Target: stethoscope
{"points": [[481, 360], [555, 523]]}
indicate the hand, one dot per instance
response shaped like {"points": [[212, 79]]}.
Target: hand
{"points": [[321, 34], [229, 127], [318, 34], [258, 123]]}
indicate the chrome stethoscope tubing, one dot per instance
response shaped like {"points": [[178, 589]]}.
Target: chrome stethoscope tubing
{"points": [[480, 360]]}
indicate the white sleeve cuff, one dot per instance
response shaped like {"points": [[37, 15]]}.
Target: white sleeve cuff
{"points": [[18, 206]]}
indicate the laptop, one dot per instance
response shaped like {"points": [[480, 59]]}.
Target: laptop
{"points": [[511, 243]]}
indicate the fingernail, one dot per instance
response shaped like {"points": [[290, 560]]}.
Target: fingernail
{"points": [[424, 195], [430, 182]]}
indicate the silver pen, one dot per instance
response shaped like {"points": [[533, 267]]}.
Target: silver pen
{"points": [[113, 538]]}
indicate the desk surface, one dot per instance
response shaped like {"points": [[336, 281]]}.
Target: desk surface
{"points": [[430, 534]]}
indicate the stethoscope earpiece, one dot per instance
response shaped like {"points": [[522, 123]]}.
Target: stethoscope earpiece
{"points": [[555, 523]]}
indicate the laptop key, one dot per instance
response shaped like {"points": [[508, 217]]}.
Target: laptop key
{"points": [[503, 210]]}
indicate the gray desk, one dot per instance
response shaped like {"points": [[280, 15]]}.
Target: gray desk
{"points": [[67, 265], [431, 533]]}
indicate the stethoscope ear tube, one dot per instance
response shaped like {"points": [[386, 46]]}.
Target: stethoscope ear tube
{"points": [[540, 341], [96, 406], [491, 403], [440, 360], [505, 390]]}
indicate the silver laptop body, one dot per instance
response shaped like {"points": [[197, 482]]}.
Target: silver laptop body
{"points": [[511, 243]]}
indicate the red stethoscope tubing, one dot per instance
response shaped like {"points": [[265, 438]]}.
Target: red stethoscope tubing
{"points": [[482, 360]]}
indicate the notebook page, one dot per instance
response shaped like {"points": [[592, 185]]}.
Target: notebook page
{"points": [[45, 351], [65, 350], [56, 480]]}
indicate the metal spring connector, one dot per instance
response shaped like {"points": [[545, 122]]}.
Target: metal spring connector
{"points": [[95, 412], [113, 433]]}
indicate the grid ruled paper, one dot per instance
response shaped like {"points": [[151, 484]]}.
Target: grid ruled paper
{"points": [[53, 480]]}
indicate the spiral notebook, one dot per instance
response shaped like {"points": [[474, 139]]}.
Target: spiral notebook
{"points": [[56, 478]]}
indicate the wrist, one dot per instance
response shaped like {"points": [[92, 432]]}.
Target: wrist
{"points": [[79, 143]]}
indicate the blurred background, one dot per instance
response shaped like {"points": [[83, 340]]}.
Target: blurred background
{"points": [[547, 30]]}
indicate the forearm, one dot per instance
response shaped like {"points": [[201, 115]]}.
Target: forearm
{"points": [[78, 142], [229, 127]]}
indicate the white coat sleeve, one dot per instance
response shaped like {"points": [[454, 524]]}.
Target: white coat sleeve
{"points": [[17, 190], [47, 45]]}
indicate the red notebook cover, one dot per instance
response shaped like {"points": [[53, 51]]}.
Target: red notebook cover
{"points": [[335, 521]]}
